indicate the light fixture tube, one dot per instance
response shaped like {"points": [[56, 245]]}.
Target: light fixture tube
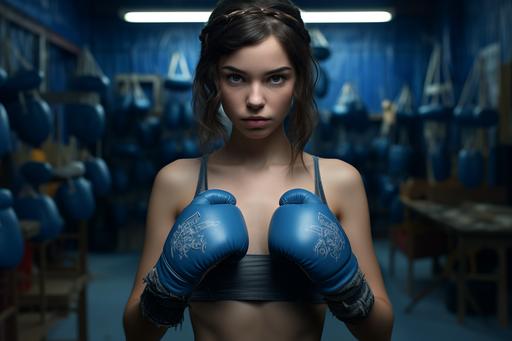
{"points": [[331, 17]]}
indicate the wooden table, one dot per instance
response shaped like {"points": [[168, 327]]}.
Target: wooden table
{"points": [[473, 226]]}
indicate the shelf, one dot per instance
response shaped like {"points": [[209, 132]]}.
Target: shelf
{"points": [[32, 328], [60, 292]]}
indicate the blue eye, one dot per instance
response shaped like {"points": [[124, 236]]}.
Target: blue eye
{"points": [[234, 78], [276, 79]]}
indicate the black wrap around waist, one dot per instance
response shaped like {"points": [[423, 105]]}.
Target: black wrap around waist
{"points": [[257, 278]]}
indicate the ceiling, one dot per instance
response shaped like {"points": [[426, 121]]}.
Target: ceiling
{"points": [[400, 7]]}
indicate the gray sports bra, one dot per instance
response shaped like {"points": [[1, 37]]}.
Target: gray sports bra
{"points": [[256, 277]]}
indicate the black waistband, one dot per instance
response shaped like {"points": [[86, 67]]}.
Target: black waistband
{"points": [[257, 278]]}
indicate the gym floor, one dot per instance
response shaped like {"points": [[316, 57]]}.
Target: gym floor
{"points": [[112, 276]]}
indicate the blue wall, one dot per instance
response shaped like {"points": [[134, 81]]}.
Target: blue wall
{"points": [[377, 58], [69, 18]]}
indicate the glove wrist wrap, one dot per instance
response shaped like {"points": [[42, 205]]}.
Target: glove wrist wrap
{"points": [[354, 302], [158, 305]]}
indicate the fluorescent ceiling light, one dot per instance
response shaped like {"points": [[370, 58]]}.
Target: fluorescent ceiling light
{"points": [[167, 17], [307, 16], [346, 17]]}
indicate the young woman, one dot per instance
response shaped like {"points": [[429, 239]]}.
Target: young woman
{"points": [[258, 238]]}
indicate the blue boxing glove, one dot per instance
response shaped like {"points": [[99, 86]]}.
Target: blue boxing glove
{"points": [[304, 231], [209, 230]]}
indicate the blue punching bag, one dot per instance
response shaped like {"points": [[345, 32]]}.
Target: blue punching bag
{"points": [[36, 173], [76, 200], [97, 172], [470, 168], [172, 115], [42, 209], [11, 240], [440, 161], [32, 119], [149, 131], [435, 112], [86, 122], [5, 132], [399, 161], [169, 150], [23, 79], [3, 76], [120, 179], [322, 83]]}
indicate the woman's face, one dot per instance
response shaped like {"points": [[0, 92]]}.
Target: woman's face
{"points": [[256, 84]]}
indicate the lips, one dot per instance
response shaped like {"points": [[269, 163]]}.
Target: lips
{"points": [[255, 118], [256, 122]]}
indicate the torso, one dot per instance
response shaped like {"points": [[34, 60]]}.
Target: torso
{"points": [[257, 193]]}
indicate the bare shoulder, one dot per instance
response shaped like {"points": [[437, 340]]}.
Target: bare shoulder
{"points": [[342, 183], [178, 178], [178, 171], [339, 174]]}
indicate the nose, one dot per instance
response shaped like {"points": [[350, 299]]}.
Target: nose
{"points": [[255, 98]]}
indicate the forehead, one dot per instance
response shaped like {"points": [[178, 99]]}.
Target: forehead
{"points": [[267, 55]]}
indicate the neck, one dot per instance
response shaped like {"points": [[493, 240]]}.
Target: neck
{"points": [[274, 150]]}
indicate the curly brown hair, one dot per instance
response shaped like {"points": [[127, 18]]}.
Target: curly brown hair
{"points": [[235, 24]]}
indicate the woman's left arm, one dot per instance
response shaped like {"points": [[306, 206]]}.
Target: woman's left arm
{"points": [[347, 197]]}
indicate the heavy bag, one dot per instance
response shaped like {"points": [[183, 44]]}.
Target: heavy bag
{"points": [[86, 122], [118, 213], [90, 82], [463, 115], [321, 83], [3, 76], [149, 131], [435, 112], [144, 171], [11, 240], [190, 148], [21, 80], [120, 179], [475, 116], [32, 119], [5, 132], [441, 162], [404, 117], [36, 173], [399, 161], [387, 189], [97, 172], [187, 115], [350, 113], [486, 117], [76, 200], [396, 211], [126, 149], [172, 115], [319, 45], [470, 167], [169, 150], [42, 209], [380, 149], [346, 152]]}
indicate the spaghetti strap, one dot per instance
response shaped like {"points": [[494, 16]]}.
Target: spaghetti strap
{"points": [[319, 189], [202, 179]]}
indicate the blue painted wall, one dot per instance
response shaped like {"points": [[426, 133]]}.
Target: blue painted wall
{"points": [[377, 58], [68, 18]]}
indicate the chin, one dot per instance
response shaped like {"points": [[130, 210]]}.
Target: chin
{"points": [[256, 135]]}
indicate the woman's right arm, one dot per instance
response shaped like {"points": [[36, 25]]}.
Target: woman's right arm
{"points": [[166, 198]]}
